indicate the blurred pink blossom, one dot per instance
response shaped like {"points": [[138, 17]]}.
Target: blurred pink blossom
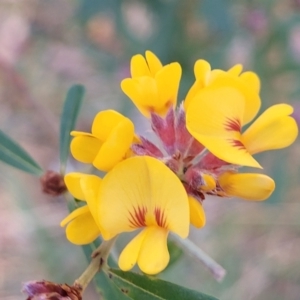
{"points": [[14, 31]]}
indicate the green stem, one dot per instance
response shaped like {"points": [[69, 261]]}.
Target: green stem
{"points": [[99, 260]]}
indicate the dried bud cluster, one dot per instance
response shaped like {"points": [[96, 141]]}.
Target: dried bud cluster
{"points": [[53, 183], [47, 290]]}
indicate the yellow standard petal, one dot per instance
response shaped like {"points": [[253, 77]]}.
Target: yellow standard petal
{"points": [[115, 147], [141, 192], [274, 129], [143, 92], [105, 121], [154, 63], [167, 79], [252, 99], [249, 186], [153, 88], [251, 80], [85, 148], [197, 214], [202, 73], [139, 66], [214, 118], [236, 70]]}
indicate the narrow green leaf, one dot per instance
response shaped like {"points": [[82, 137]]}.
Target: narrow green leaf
{"points": [[138, 287], [68, 119], [14, 155]]}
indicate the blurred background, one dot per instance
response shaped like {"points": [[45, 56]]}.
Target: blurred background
{"points": [[46, 46]]}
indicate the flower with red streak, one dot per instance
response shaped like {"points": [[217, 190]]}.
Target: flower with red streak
{"points": [[142, 193], [215, 117], [199, 148]]}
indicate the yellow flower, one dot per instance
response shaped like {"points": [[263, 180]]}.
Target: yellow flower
{"points": [[142, 193], [248, 186], [153, 88], [247, 83], [83, 226], [215, 117], [109, 142]]}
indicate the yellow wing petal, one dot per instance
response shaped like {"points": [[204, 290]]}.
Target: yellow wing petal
{"points": [[274, 129]]}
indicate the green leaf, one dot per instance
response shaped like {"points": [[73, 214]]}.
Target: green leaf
{"points": [[14, 155], [68, 119], [138, 287]]}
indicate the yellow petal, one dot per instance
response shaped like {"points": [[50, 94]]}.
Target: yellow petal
{"points": [[72, 181], [90, 185], [139, 67], [154, 63], [252, 99], [74, 214], [114, 149], [236, 70], [209, 183], [81, 133], [274, 129], [251, 80], [105, 121], [137, 186], [214, 118], [154, 255], [197, 214], [249, 186], [202, 71], [82, 230], [196, 87], [143, 92], [85, 148], [129, 255], [168, 79]]}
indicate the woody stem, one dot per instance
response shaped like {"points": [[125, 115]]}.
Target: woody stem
{"points": [[99, 260]]}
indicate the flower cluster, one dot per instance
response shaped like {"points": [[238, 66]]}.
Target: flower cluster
{"points": [[159, 186]]}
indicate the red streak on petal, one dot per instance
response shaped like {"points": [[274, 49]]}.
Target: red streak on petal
{"points": [[160, 218], [233, 125], [238, 144], [137, 219]]}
